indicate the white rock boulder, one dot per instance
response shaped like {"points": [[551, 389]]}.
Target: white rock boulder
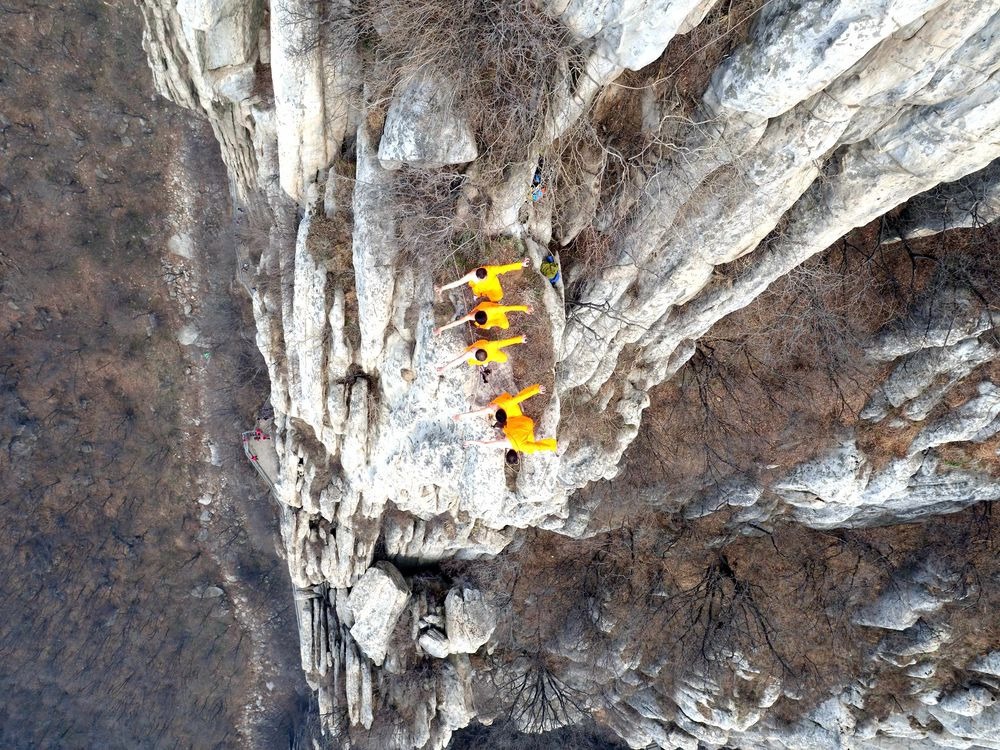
{"points": [[987, 664], [469, 620], [967, 701], [423, 128], [376, 602], [434, 643]]}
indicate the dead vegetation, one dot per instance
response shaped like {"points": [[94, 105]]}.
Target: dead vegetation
{"points": [[794, 365], [104, 642], [330, 243], [641, 121], [674, 599], [437, 227], [503, 735], [509, 53]]}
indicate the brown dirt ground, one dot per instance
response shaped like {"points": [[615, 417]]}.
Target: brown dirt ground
{"points": [[103, 644]]}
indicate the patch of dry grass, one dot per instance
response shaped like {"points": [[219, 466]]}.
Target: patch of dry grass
{"points": [[509, 54]]}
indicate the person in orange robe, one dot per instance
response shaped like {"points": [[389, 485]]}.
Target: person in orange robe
{"points": [[504, 405], [519, 437], [482, 352], [486, 315], [484, 281]]}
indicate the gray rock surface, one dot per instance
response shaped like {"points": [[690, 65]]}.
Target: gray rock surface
{"points": [[470, 620], [424, 127], [987, 664], [910, 595], [973, 201], [975, 420], [376, 601], [188, 335], [435, 643]]}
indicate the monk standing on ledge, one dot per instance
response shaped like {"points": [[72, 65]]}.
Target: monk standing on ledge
{"points": [[504, 405], [486, 315], [485, 281], [519, 437], [482, 352]]}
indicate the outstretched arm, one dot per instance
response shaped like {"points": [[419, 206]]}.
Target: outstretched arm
{"points": [[465, 319], [532, 390], [485, 411], [538, 446], [464, 280], [512, 266], [501, 443], [507, 342], [453, 363]]}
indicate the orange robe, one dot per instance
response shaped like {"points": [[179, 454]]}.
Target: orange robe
{"points": [[512, 404], [493, 350], [490, 286], [496, 315], [521, 433]]}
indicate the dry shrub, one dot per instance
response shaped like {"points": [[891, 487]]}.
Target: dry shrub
{"points": [[432, 231], [503, 735], [589, 253], [677, 80], [329, 241], [767, 383], [503, 57], [678, 597], [979, 457], [966, 543]]}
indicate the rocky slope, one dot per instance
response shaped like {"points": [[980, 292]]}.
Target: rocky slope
{"points": [[383, 148]]}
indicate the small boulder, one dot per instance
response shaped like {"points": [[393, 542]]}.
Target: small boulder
{"points": [[235, 83], [181, 244], [207, 592], [187, 335], [376, 602], [423, 128], [470, 620], [969, 701], [434, 642]]}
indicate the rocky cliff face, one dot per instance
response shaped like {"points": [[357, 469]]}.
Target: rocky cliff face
{"points": [[693, 154]]}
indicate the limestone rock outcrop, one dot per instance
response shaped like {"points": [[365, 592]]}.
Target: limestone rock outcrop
{"points": [[469, 620], [422, 128], [376, 602]]}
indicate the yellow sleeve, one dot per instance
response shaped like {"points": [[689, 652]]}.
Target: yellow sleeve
{"points": [[514, 308], [537, 446], [502, 401], [507, 342], [531, 390], [505, 269]]}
